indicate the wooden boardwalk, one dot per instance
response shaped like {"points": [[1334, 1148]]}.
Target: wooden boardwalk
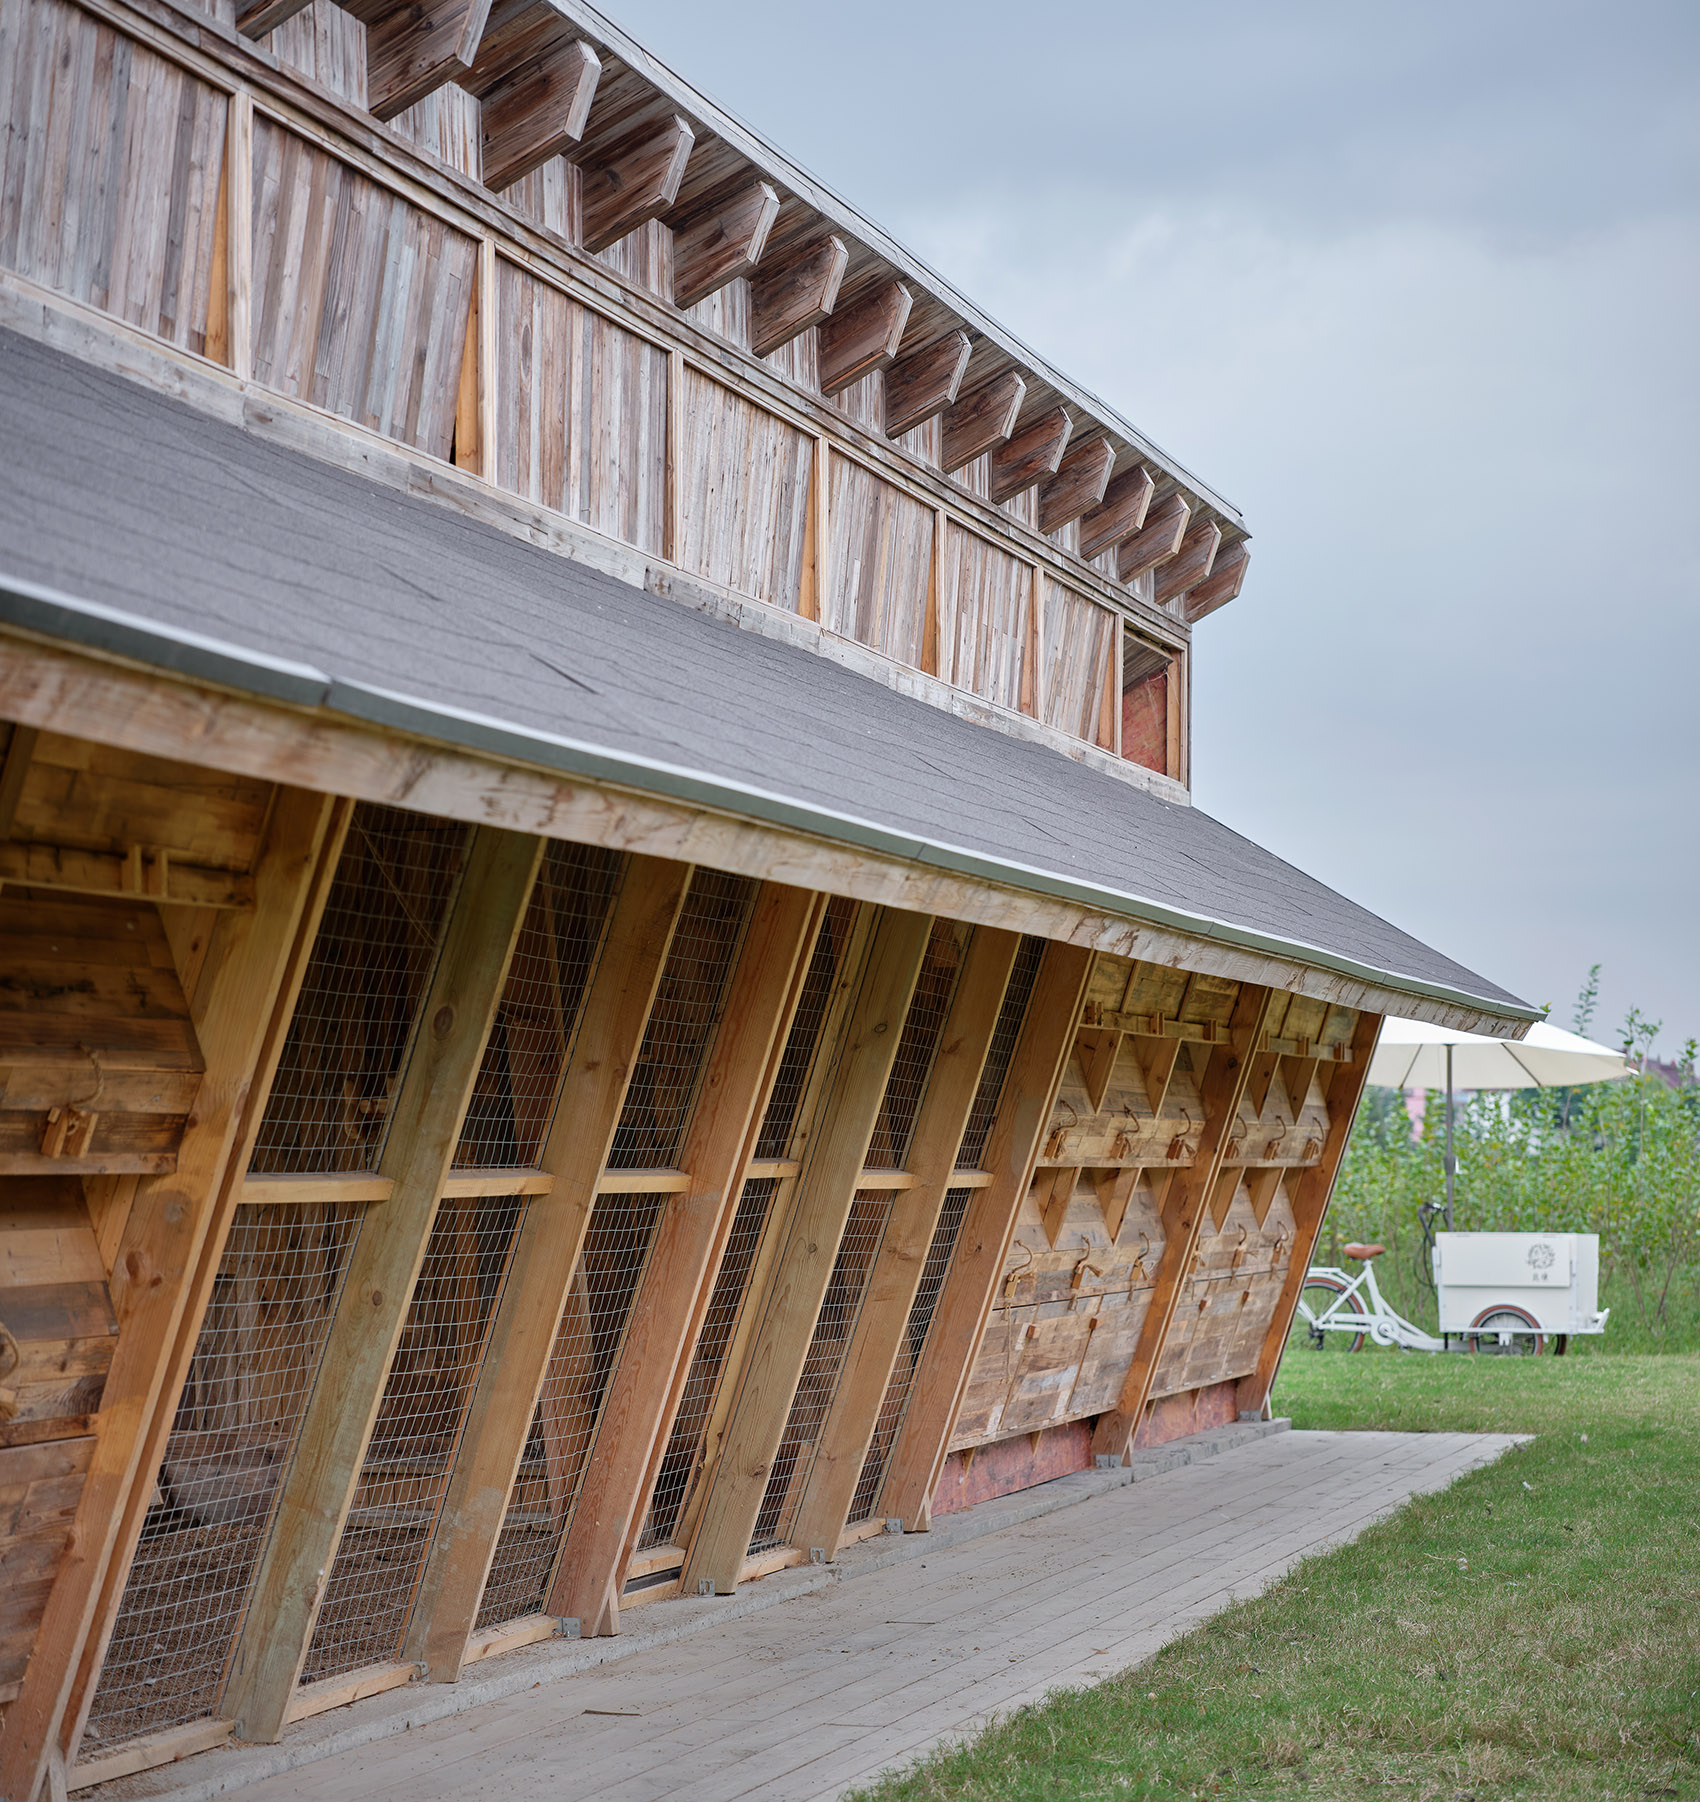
{"points": [[820, 1692]]}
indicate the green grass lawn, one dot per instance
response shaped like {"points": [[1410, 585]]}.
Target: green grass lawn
{"points": [[1533, 1631]]}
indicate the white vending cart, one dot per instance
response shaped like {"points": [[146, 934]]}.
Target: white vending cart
{"points": [[1511, 1292]]}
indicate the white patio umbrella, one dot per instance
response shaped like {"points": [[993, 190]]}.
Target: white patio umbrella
{"points": [[1412, 1055]]}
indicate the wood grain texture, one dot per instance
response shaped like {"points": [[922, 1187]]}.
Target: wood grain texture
{"points": [[922, 385], [1156, 541], [1191, 564], [1079, 485], [414, 46], [1121, 513], [1077, 653], [986, 605], [878, 564], [635, 182], [863, 336], [537, 112], [795, 292], [1030, 455], [718, 246], [982, 419], [1223, 584]]}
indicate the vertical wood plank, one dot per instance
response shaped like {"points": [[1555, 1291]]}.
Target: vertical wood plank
{"points": [[684, 1260], [425, 1124], [970, 1288], [884, 1315], [616, 1011], [1310, 1208], [825, 1190], [675, 535], [168, 1224], [239, 234]]}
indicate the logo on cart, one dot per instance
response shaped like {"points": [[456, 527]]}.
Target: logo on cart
{"points": [[1541, 1259]]}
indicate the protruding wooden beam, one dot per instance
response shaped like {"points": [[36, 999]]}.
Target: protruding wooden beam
{"points": [[612, 1018], [982, 419], [1191, 564], [925, 383], [1185, 1207], [825, 1191], [263, 16], [1079, 484], [718, 246], [636, 182], [1159, 538], [971, 1285], [1033, 453], [864, 336], [538, 111], [1120, 514], [414, 47], [1097, 1048], [1226, 578], [799, 291], [317, 1492]]}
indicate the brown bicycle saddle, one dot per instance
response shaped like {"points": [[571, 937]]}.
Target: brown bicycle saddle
{"points": [[1364, 1252]]}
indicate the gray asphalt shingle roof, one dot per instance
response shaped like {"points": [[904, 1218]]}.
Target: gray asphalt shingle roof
{"points": [[375, 603]]}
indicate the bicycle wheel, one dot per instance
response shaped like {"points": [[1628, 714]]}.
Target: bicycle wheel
{"points": [[1505, 1332], [1319, 1294]]}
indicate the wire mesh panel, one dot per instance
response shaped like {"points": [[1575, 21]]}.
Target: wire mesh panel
{"points": [[895, 1403], [1029, 955], [652, 1124], [371, 961], [779, 1118], [412, 1449], [845, 1289], [917, 1045], [513, 1100], [581, 1365], [251, 1374]]}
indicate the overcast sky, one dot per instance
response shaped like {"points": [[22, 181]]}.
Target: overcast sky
{"points": [[1417, 288]]}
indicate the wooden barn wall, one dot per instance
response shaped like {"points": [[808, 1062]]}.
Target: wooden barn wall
{"points": [[879, 565], [985, 619], [1077, 661]]}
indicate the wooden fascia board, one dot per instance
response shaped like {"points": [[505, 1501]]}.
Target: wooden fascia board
{"points": [[303, 727]]}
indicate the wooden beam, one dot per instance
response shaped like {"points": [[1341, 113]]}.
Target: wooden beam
{"points": [[1036, 451], [147, 872], [425, 1121], [796, 292], [169, 1222], [1097, 1048], [848, 1429], [1310, 1196], [414, 47], [1079, 485], [1115, 1190], [259, 18], [981, 419], [1160, 537], [1191, 564], [1156, 1059], [1184, 1210], [718, 246], [20, 748], [1119, 514], [684, 1260], [1223, 584], [613, 1017], [924, 383], [638, 181], [820, 1209], [970, 1288], [537, 112], [864, 336]]}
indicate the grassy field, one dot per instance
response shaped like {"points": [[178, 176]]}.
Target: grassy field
{"points": [[1532, 1632]]}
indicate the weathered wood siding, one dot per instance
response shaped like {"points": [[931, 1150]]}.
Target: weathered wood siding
{"points": [[985, 615], [747, 478], [328, 46], [582, 412], [879, 564], [1077, 659], [109, 170], [360, 298]]}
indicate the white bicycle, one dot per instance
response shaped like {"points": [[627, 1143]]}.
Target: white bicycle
{"points": [[1338, 1311]]}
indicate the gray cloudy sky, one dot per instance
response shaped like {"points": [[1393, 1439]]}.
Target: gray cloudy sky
{"points": [[1417, 288]]}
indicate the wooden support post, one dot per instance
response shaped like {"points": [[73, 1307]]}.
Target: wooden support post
{"points": [[231, 1193], [965, 1301], [1184, 1210], [522, 1335], [424, 1127], [684, 1259], [825, 1191], [1156, 541], [1226, 579], [1310, 1206], [169, 1222], [896, 1275]]}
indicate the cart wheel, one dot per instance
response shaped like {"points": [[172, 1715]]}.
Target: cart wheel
{"points": [[1317, 1296], [1560, 1345], [1507, 1332]]}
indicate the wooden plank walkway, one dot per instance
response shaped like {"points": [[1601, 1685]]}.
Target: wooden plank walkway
{"points": [[801, 1700]]}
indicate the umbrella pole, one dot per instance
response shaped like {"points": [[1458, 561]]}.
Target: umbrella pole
{"points": [[1451, 1162]]}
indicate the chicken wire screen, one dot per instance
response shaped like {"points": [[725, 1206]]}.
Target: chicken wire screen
{"points": [[1000, 1053], [900, 1106], [249, 1380], [328, 1109], [513, 1100], [779, 1119], [845, 1289], [411, 1453]]}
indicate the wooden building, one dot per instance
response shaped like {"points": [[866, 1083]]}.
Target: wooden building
{"points": [[608, 981]]}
